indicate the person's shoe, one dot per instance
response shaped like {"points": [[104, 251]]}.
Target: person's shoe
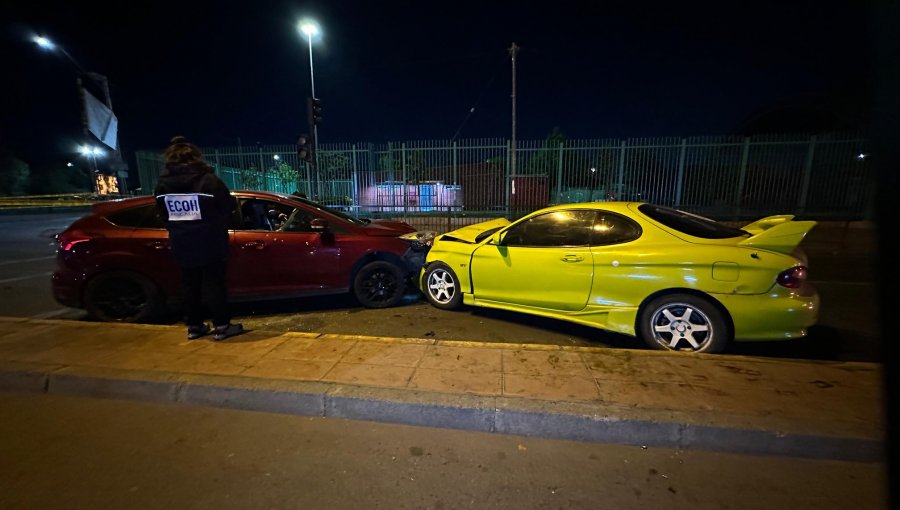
{"points": [[227, 330], [195, 332]]}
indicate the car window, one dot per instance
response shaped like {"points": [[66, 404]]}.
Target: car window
{"points": [[142, 216], [257, 214], [298, 221], [691, 224], [557, 228], [610, 228]]}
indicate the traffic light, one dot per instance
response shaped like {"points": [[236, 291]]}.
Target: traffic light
{"points": [[314, 110], [305, 148]]}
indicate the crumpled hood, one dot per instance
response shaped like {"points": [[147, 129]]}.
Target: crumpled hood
{"points": [[469, 233], [388, 228]]}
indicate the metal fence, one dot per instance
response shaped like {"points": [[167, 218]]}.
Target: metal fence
{"points": [[825, 176]]}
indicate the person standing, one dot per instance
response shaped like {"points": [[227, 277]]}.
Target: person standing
{"points": [[197, 208]]}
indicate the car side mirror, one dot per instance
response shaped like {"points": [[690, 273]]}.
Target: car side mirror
{"points": [[318, 225]]}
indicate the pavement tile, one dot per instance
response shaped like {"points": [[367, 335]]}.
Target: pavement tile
{"points": [[549, 362], [379, 339], [10, 350], [180, 347], [553, 387], [219, 364], [650, 395], [63, 355], [18, 331], [240, 345], [306, 370], [462, 358], [737, 372], [370, 375], [141, 360], [457, 381], [115, 338], [624, 366], [309, 349], [377, 353]]}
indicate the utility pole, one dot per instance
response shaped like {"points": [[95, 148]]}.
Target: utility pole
{"points": [[511, 185], [513, 50]]}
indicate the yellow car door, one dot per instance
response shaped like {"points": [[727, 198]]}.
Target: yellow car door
{"points": [[543, 261]]}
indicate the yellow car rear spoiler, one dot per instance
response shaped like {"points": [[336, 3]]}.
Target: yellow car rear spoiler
{"points": [[777, 233]]}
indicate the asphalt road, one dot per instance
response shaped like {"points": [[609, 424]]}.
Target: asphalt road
{"points": [[73, 453], [847, 329]]}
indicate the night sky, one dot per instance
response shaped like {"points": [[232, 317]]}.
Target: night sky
{"points": [[220, 71]]}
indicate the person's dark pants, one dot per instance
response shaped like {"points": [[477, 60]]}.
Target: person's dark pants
{"points": [[205, 282]]}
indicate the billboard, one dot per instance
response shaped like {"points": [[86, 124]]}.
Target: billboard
{"points": [[107, 184]]}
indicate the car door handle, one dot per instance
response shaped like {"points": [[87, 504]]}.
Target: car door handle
{"points": [[158, 245], [258, 245], [572, 258]]}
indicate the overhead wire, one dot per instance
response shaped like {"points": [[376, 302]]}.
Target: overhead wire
{"points": [[478, 100]]}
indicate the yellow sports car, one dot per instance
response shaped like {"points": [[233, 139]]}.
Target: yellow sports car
{"points": [[676, 280]]}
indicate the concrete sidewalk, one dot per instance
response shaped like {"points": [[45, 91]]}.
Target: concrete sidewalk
{"points": [[716, 402]]}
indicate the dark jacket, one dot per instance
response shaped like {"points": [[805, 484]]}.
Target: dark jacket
{"points": [[197, 209]]}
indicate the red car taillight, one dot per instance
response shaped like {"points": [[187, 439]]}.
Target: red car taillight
{"points": [[792, 278], [67, 240]]}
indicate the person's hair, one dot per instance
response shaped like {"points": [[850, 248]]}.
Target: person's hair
{"points": [[182, 152]]}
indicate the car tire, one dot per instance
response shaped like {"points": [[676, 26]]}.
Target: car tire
{"points": [[441, 287], [684, 322], [379, 284], [122, 296]]}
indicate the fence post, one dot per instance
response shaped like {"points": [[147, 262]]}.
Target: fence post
{"points": [[807, 174], [354, 201], [218, 166], [405, 187], [508, 182], [241, 162], [455, 163], [679, 183], [620, 180], [559, 170], [449, 212], [742, 180], [393, 178], [262, 170]]}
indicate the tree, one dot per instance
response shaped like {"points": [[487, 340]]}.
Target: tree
{"points": [[13, 173], [251, 178], [393, 162], [546, 160], [287, 175], [56, 177]]}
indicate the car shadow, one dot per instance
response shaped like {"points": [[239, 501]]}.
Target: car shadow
{"points": [[822, 343], [588, 336]]}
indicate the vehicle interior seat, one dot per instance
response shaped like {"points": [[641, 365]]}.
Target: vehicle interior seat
{"points": [[255, 216]]}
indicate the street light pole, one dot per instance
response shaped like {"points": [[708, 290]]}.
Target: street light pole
{"points": [[103, 81], [310, 28]]}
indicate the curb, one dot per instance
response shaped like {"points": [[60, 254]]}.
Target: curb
{"points": [[504, 415]]}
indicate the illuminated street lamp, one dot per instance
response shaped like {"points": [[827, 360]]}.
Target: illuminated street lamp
{"points": [[92, 153], [311, 28], [46, 44], [276, 157]]}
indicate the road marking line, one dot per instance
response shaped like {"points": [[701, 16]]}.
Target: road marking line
{"points": [[52, 314], [34, 259], [27, 277]]}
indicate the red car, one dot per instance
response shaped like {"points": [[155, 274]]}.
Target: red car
{"points": [[116, 262]]}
